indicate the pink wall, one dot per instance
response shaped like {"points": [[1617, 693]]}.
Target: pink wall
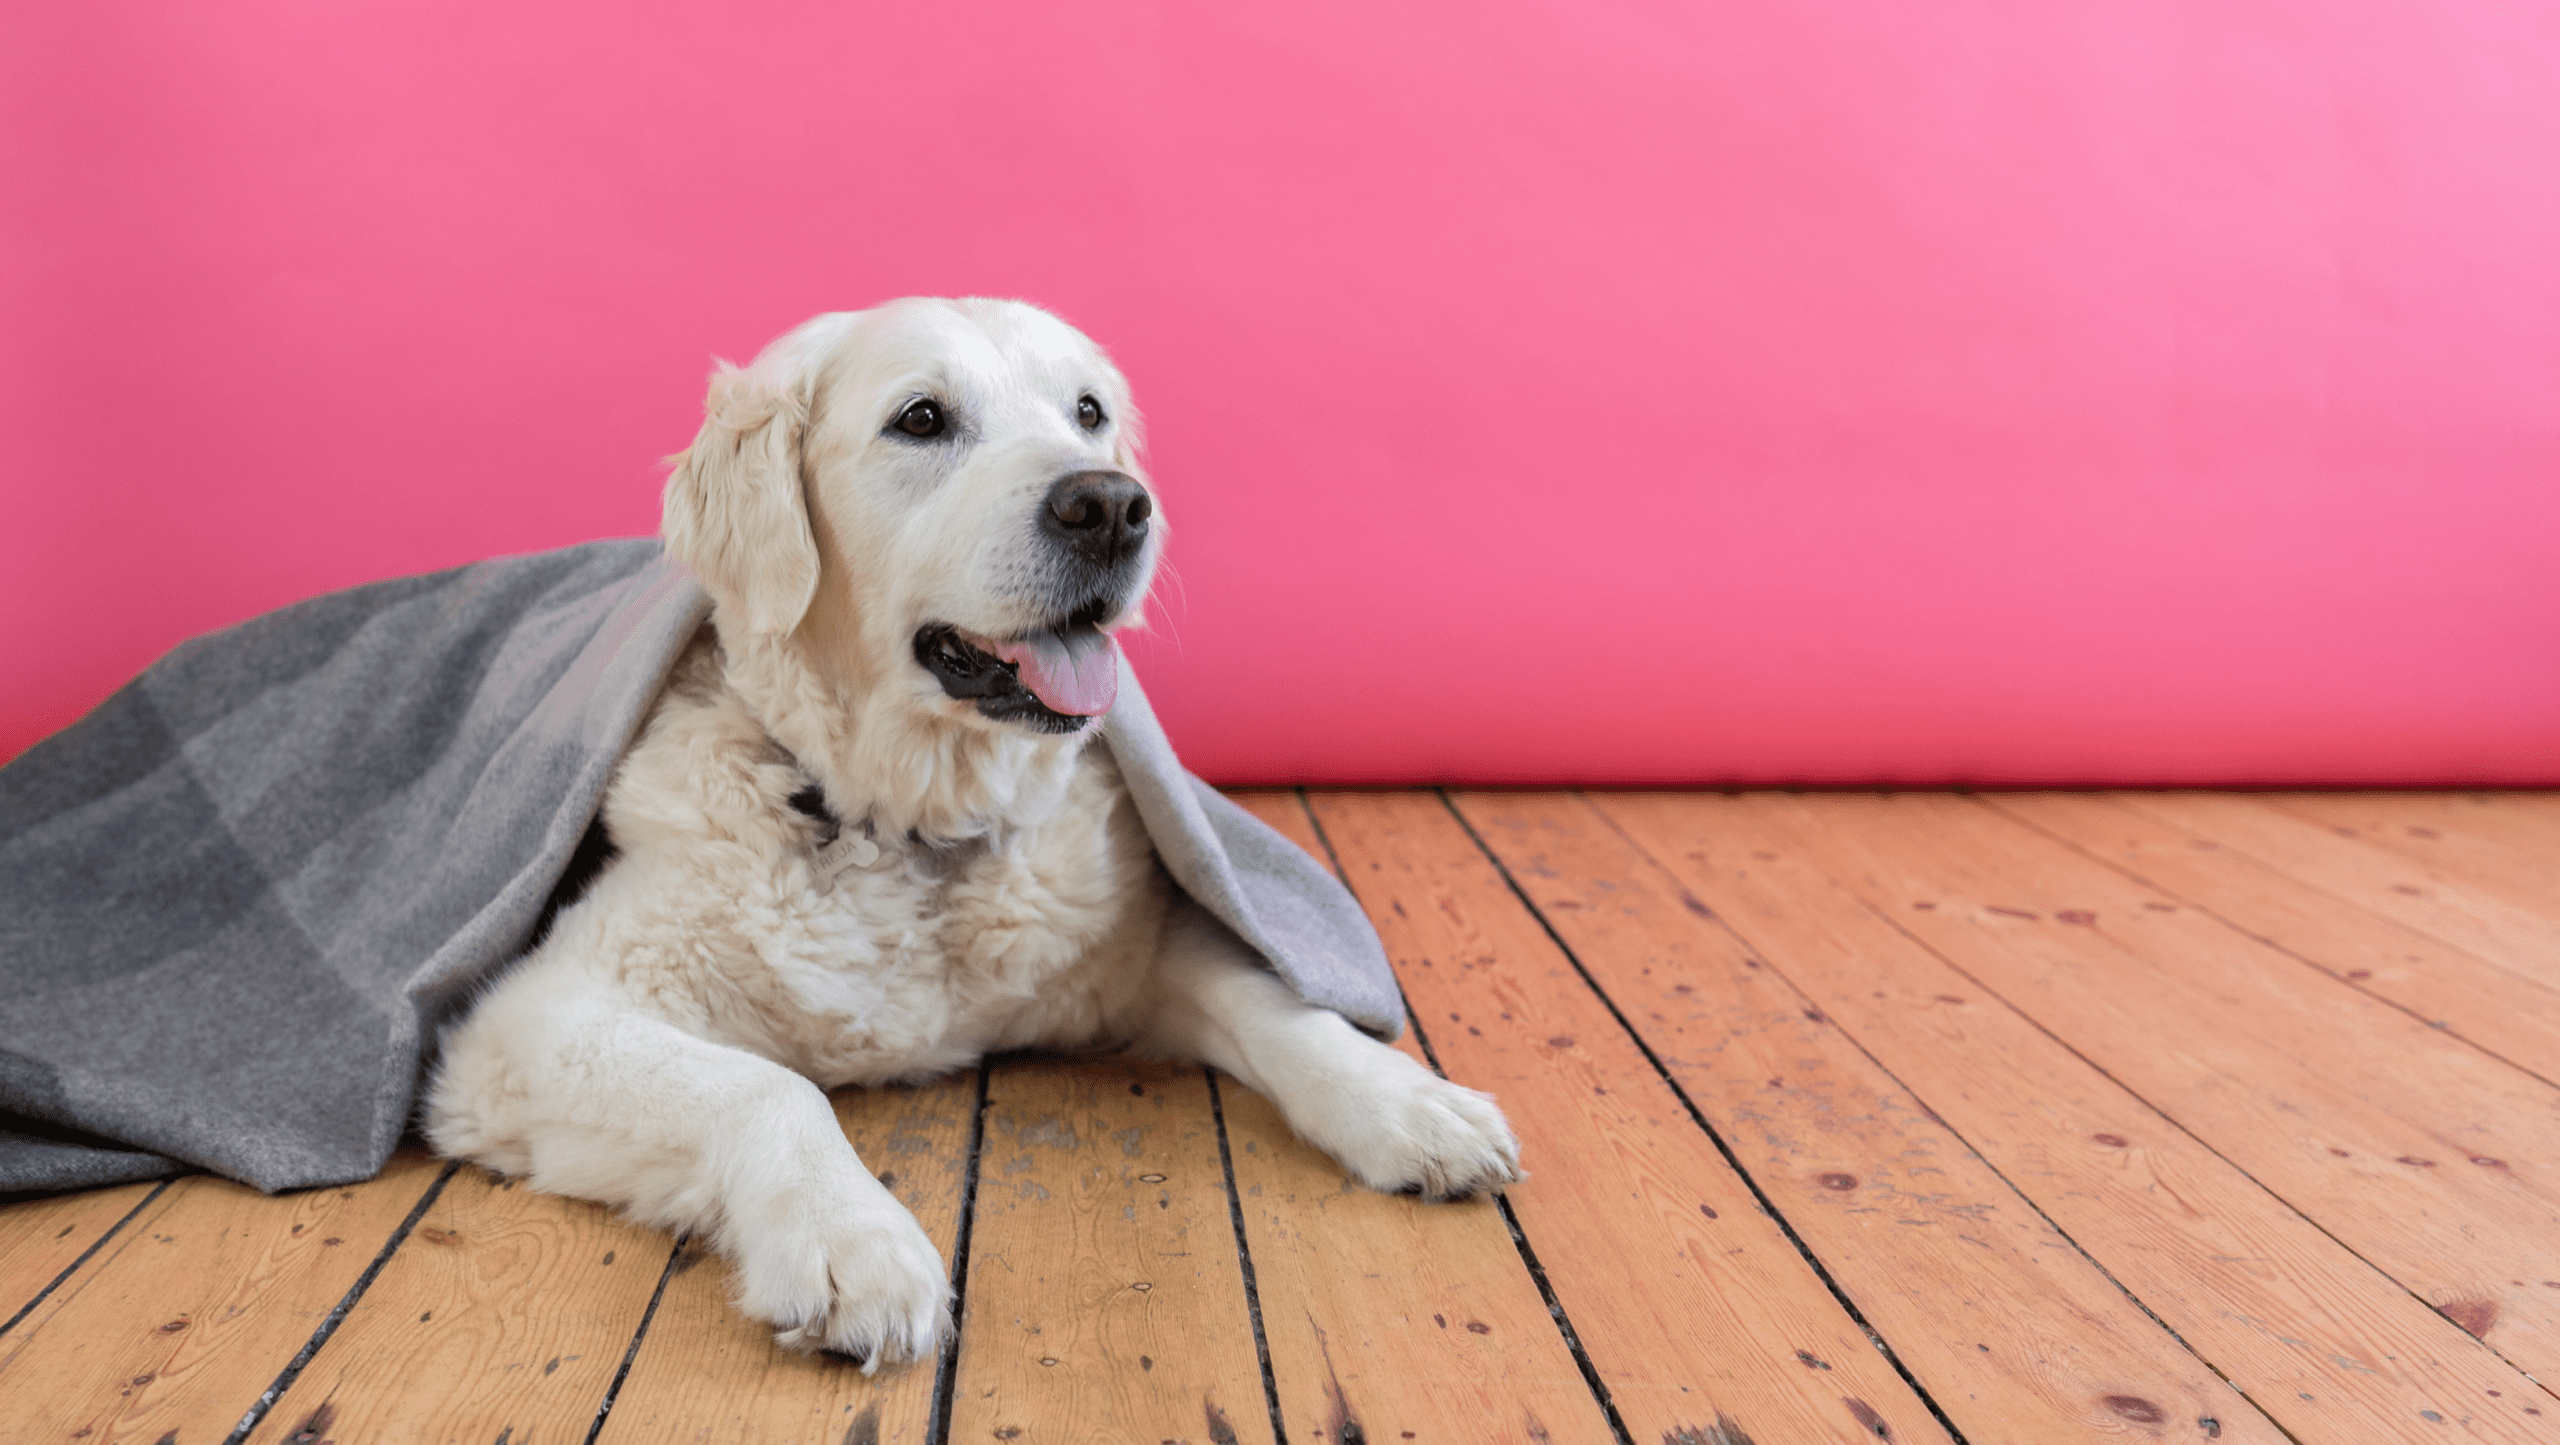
{"points": [[1829, 389]]}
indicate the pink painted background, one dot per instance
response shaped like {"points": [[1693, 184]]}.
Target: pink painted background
{"points": [[2130, 390]]}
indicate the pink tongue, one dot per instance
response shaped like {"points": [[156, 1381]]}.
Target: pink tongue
{"points": [[1077, 672]]}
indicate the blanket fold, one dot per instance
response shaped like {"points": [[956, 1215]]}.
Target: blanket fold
{"points": [[239, 898]]}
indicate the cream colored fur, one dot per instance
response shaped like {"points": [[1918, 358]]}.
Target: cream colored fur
{"points": [[665, 1047]]}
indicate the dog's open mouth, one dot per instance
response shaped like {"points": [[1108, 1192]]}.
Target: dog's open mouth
{"points": [[1052, 681]]}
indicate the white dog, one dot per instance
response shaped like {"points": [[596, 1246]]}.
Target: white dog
{"points": [[863, 837]]}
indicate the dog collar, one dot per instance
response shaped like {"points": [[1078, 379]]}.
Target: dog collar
{"points": [[841, 847]]}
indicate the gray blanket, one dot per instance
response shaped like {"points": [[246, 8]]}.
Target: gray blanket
{"points": [[238, 900]]}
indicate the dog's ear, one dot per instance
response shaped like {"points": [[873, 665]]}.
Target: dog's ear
{"points": [[735, 511]]}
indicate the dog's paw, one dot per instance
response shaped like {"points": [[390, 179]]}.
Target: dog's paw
{"points": [[862, 1280], [1422, 1134]]}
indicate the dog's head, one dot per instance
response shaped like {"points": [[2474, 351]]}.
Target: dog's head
{"points": [[937, 505]]}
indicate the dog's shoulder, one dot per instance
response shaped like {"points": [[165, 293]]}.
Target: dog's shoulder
{"points": [[702, 770]]}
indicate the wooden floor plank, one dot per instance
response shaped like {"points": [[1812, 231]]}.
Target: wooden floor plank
{"points": [[2435, 1161], [40, 1238], [2512, 853], [705, 1372], [2480, 919], [1105, 1299], [190, 1312], [2013, 1334], [1389, 1318], [2528, 823], [2334, 1350], [2509, 1013], [1387, 1315], [503, 1316], [1698, 1313]]}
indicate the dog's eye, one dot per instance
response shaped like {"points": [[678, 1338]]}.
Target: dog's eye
{"points": [[922, 419], [1089, 412]]}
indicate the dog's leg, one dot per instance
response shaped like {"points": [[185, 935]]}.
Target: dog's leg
{"points": [[594, 1098], [1386, 1118]]}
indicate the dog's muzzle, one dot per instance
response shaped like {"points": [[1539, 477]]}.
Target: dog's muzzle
{"points": [[1097, 525]]}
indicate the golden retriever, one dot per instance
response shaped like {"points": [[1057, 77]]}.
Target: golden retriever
{"points": [[863, 835]]}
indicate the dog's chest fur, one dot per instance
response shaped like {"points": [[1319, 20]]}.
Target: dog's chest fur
{"points": [[720, 912]]}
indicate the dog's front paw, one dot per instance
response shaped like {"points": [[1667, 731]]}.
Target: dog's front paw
{"points": [[860, 1279], [1421, 1133]]}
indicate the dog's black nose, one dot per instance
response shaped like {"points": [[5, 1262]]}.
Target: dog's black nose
{"points": [[1099, 517]]}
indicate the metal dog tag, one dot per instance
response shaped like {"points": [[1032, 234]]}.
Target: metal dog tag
{"points": [[849, 850]]}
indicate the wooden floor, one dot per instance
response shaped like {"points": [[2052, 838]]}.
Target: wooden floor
{"points": [[1923, 1118]]}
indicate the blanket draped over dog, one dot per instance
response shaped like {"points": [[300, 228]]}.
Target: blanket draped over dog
{"points": [[238, 899]]}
